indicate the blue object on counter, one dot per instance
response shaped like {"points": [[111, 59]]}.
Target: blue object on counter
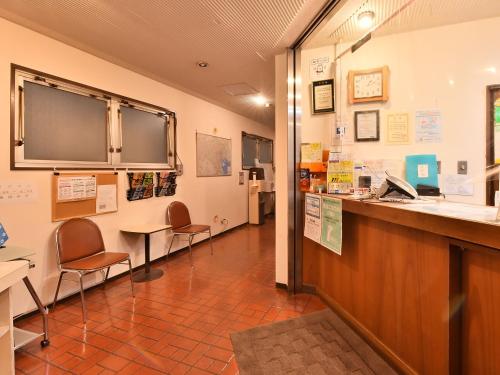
{"points": [[3, 235]]}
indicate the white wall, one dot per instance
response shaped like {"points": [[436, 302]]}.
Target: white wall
{"points": [[29, 224], [281, 175], [421, 64]]}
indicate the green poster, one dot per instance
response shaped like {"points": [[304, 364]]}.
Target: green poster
{"points": [[331, 224], [497, 115]]}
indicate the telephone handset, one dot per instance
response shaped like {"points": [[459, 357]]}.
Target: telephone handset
{"points": [[394, 187]]}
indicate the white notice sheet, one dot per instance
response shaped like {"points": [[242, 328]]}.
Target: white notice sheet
{"points": [[106, 199], [312, 225]]}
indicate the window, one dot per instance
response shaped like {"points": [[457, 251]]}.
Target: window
{"points": [[255, 147], [62, 124]]}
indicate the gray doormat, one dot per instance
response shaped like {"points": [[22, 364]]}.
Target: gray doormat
{"points": [[316, 344]]}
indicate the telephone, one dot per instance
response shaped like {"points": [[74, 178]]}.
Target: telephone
{"points": [[394, 188]]}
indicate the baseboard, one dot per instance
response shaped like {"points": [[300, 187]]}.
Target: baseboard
{"points": [[125, 273], [392, 358], [281, 286], [309, 289]]}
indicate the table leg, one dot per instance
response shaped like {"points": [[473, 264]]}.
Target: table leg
{"points": [[148, 273], [42, 310]]}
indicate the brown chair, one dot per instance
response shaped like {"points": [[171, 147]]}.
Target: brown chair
{"points": [[178, 217], [80, 249]]}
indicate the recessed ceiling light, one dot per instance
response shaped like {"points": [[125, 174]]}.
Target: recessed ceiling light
{"points": [[202, 64], [365, 19], [260, 100]]}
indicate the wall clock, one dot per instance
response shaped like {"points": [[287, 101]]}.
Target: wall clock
{"points": [[370, 85]]}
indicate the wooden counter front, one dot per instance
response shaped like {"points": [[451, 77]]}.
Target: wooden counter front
{"points": [[423, 289]]}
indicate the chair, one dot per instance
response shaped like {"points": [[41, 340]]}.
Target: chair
{"points": [[80, 249], [178, 217]]}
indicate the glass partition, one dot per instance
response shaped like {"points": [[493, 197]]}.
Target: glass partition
{"points": [[416, 95]]}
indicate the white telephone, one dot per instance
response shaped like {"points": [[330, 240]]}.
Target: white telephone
{"points": [[395, 188]]}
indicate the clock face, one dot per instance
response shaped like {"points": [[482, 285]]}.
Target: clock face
{"points": [[368, 85]]}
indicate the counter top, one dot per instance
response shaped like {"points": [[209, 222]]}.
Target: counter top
{"points": [[12, 272], [467, 222]]}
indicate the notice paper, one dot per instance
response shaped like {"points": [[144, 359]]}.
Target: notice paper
{"points": [[428, 127], [106, 199], [311, 153], [76, 188], [457, 184], [17, 192], [398, 129], [312, 224], [331, 224], [320, 68]]}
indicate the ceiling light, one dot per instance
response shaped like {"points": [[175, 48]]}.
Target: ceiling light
{"points": [[202, 64], [365, 19], [260, 100]]}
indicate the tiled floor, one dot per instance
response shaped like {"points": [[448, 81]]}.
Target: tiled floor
{"points": [[178, 324]]}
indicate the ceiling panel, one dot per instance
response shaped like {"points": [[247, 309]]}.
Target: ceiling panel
{"points": [[164, 39]]}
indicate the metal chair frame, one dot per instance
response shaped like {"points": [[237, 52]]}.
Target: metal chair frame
{"points": [[82, 273], [190, 238], [190, 241]]}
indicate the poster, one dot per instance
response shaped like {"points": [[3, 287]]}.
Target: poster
{"points": [[311, 153], [312, 221], [428, 127], [320, 68], [106, 199], [458, 184], [331, 224], [398, 129], [76, 188], [340, 176]]}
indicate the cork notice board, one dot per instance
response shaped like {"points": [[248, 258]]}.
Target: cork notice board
{"points": [[83, 194]]}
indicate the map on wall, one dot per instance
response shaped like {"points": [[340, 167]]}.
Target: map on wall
{"points": [[213, 156]]}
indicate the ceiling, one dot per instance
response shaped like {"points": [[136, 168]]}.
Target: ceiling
{"points": [[342, 26], [164, 39]]}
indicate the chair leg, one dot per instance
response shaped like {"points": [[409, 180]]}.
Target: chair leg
{"points": [[170, 247], [131, 278], [211, 246], [107, 274], [190, 250], [57, 289], [84, 307]]}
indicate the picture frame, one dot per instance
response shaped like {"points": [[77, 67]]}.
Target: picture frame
{"points": [[367, 126], [323, 96], [368, 85]]}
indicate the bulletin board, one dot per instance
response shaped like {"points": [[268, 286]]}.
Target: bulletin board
{"points": [[83, 194]]}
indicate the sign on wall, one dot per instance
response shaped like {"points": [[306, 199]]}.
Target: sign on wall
{"points": [[331, 224]]}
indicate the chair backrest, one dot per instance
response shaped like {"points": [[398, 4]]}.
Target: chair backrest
{"points": [[78, 238], [178, 215]]}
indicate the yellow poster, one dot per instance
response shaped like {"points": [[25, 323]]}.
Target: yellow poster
{"points": [[398, 128], [311, 153]]}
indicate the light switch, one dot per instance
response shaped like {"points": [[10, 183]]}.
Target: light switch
{"points": [[439, 166], [462, 167]]}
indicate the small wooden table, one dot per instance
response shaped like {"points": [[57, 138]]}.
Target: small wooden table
{"points": [[147, 273]]}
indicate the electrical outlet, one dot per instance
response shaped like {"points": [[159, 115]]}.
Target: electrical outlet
{"points": [[180, 169], [462, 167]]}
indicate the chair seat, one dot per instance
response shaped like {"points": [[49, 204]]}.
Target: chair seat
{"points": [[192, 228], [96, 261]]}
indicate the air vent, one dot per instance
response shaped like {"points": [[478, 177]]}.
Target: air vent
{"points": [[238, 89]]}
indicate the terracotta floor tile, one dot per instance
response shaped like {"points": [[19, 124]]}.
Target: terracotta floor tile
{"points": [[114, 362], [178, 324]]}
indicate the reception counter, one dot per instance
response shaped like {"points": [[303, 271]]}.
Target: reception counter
{"points": [[420, 282]]}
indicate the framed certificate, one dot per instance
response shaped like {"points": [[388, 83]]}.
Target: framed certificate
{"points": [[323, 96], [366, 126]]}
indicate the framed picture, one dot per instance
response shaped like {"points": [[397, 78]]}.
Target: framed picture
{"points": [[367, 126], [323, 96], [371, 85]]}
